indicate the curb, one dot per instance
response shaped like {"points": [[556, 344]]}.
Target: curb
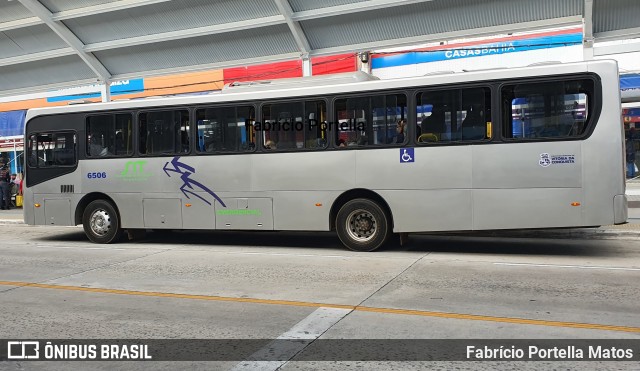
{"points": [[11, 221]]}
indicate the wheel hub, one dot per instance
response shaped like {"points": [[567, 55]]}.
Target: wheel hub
{"points": [[100, 222], [361, 225]]}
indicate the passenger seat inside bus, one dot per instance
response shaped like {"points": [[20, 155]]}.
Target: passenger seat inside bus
{"points": [[433, 124], [120, 145], [473, 126]]}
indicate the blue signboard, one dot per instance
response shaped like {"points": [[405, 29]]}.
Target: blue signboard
{"points": [[116, 88], [480, 50]]}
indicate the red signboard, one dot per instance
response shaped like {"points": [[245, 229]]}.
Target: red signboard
{"points": [[280, 70]]}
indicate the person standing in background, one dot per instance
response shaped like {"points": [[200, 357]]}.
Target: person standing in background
{"points": [[18, 182], [400, 126], [5, 188], [630, 149]]}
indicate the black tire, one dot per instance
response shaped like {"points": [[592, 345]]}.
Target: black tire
{"points": [[362, 225], [101, 222]]}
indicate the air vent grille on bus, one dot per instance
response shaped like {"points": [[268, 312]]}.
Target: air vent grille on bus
{"points": [[67, 188]]}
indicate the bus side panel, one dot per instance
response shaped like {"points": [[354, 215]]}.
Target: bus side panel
{"points": [[218, 173], [604, 169], [434, 167], [602, 177], [53, 210], [244, 213], [57, 198], [527, 185], [303, 211], [526, 208], [300, 181], [122, 180], [57, 211], [199, 215], [129, 206], [38, 212], [525, 165], [162, 213], [429, 192], [426, 211], [28, 210], [320, 171]]}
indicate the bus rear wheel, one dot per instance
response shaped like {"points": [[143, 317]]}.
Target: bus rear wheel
{"points": [[362, 225], [101, 223]]}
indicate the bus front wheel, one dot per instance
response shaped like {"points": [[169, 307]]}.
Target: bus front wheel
{"points": [[101, 223], [362, 225]]}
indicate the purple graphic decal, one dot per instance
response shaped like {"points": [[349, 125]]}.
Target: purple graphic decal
{"points": [[189, 185]]}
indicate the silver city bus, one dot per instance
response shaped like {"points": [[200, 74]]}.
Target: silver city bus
{"points": [[533, 147]]}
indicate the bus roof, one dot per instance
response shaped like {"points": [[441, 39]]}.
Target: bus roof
{"points": [[330, 85]]}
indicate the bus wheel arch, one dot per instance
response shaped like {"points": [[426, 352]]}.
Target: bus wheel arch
{"points": [[86, 200], [100, 219], [367, 208]]}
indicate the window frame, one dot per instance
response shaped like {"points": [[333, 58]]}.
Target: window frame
{"points": [[134, 135], [369, 94], [328, 101], [190, 136], [195, 109], [595, 107], [55, 166], [495, 123]]}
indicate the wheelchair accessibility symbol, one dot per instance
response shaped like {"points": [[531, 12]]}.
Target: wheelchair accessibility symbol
{"points": [[406, 155]]}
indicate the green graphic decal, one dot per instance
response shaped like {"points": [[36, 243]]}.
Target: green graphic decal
{"points": [[239, 212], [134, 171]]}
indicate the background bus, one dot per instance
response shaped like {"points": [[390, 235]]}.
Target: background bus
{"points": [[534, 147]]}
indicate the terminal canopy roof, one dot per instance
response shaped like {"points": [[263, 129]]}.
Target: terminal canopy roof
{"points": [[47, 44]]}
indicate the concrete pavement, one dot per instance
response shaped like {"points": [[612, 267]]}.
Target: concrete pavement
{"points": [[236, 285], [11, 216]]}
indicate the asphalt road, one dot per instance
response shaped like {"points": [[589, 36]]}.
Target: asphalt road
{"points": [[561, 284]]}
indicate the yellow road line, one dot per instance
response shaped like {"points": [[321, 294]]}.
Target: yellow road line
{"points": [[520, 321], [461, 316], [178, 296]]}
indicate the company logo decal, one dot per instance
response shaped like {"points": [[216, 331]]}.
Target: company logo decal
{"points": [[544, 160], [134, 171], [189, 186], [547, 159]]}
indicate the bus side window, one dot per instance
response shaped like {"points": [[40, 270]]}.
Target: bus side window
{"points": [[554, 110], [161, 132], [225, 129], [52, 150], [454, 115]]}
